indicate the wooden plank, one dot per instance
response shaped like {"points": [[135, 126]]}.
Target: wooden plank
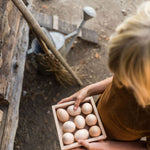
{"points": [[16, 86], [44, 19], [9, 27], [13, 46], [66, 27], [3, 4], [55, 22], [89, 35]]}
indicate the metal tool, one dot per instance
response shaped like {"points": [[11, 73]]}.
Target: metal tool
{"points": [[59, 40]]}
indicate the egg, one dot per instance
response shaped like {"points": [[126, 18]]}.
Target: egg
{"points": [[68, 138], [94, 131], [73, 112], [69, 126], [86, 108], [62, 115], [91, 119], [81, 134], [79, 121]]}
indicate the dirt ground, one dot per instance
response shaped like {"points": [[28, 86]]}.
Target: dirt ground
{"points": [[36, 129]]}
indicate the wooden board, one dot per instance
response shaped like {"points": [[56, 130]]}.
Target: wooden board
{"points": [[59, 124], [18, 60], [65, 27], [14, 33], [43, 19], [9, 28]]}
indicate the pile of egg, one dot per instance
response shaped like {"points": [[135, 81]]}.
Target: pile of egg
{"points": [[84, 123]]}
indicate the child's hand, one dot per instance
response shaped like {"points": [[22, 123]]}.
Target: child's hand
{"points": [[77, 97], [100, 145], [112, 145], [87, 145]]}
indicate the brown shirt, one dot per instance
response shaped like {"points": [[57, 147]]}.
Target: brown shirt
{"points": [[123, 118]]}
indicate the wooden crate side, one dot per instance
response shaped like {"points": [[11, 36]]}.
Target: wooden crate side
{"points": [[99, 120], [9, 29], [15, 89], [57, 126]]}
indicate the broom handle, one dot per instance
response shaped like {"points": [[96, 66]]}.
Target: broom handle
{"points": [[42, 44], [41, 35]]}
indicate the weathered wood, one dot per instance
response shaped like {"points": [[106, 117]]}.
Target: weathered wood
{"points": [[35, 26], [13, 45], [66, 27], [9, 27], [43, 19], [17, 66], [89, 35]]}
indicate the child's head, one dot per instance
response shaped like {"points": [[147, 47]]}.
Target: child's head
{"points": [[129, 53]]}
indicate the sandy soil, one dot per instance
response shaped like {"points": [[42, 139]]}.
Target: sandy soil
{"points": [[36, 129]]}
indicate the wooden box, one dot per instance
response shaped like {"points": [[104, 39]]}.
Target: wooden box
{"points": [[59, 124]]}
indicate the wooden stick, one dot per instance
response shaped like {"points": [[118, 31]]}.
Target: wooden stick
{"points": [[34, 24]]}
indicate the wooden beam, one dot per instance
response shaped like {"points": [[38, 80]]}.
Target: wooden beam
{"points": [[8, 31], [18, 63], [14, 36]]}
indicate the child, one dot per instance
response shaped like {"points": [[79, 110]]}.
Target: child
{"points": [[124, 105]]}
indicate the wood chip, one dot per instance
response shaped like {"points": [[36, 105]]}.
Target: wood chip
{"points": [[82, 62], [44, 6], [97, 55], [130, 2]]}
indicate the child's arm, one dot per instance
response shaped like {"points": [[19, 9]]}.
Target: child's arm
{"points": [[112, 145], [89, 90]]}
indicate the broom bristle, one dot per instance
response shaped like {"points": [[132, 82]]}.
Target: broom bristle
{"points": [[61, 74]]}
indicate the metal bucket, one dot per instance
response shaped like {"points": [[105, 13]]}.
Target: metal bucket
{"points": [[41, 65]]}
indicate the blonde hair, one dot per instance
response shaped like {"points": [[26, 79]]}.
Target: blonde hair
{"points": [[129, 53]]}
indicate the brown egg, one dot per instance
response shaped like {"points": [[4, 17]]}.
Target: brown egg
{"points": [[82, 134], [69, 126], [62, 115], [91, 119], [73, 112], [94, 131], [86, 108], [79, 121], [68, 138]]}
